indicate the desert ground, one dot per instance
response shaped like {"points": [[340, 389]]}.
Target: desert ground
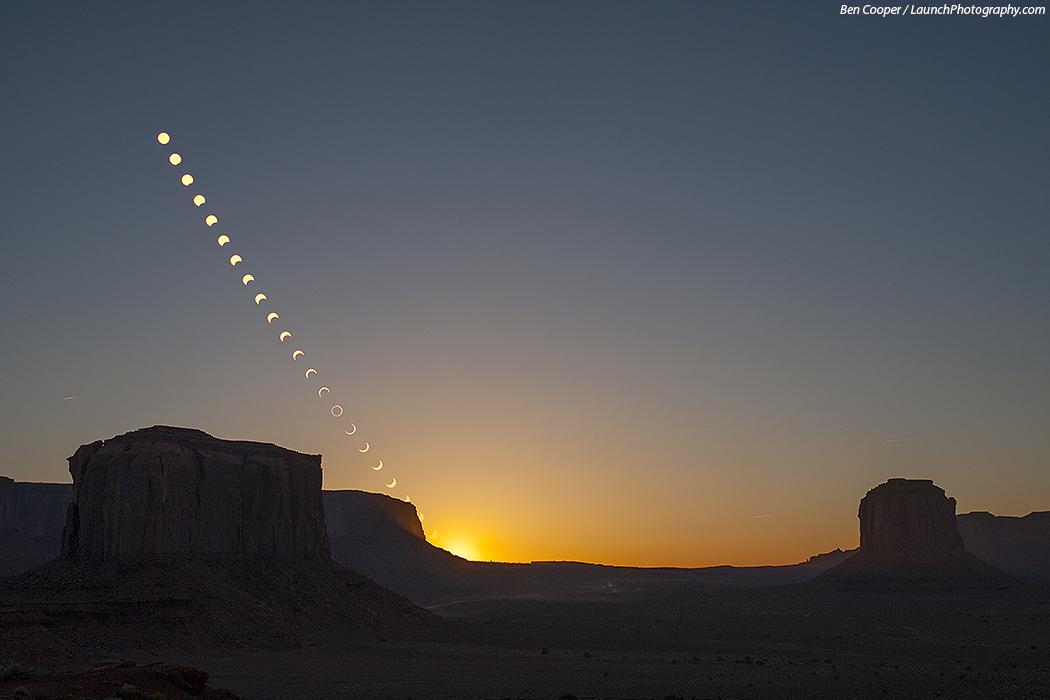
{"points": [[801, 641]]}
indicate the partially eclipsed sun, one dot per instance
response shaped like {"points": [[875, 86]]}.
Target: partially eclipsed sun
{"points": [[461, 548]]}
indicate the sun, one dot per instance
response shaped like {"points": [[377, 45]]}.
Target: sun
{"points": [[462, 548]]}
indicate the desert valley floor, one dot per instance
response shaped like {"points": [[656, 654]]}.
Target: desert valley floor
{"points": [[799, 641]]}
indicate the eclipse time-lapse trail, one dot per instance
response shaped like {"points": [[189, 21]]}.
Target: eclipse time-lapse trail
{"points": [[247, 280]]}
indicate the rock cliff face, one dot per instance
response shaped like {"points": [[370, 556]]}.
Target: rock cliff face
{"points": [[382, 538], [162, 492], [31, 520], [904, 514], [1018, 545], [360, 515], [909, 536], [178, 540]]}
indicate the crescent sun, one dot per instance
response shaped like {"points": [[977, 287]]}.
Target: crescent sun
{"points": [[211, 220], [199, 199], [364, 449], [310, 371], [378, 466], [260, 298], [285, 335], [234, 259], [350, 433], [222, 240], [392, 484], [271, 316], [247, 279], [296, 354], [323, 390]]}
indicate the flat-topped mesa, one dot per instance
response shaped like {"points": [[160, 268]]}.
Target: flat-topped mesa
{"points": [[909, 537], [364, 516], [161, 492], [382, 537], [31, 519], [905, 514], [1018, 545]]}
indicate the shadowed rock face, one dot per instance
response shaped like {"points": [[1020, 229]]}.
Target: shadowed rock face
{"points": [[161, 492], [909, 536], [906, 514], [382, 537], [1018, 545], [360, 515], [178, 540], [31, 520]]}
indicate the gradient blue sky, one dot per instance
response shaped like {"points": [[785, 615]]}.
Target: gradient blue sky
{"points": [[599, 281]]}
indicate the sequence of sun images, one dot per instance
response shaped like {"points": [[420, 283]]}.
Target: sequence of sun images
{"points": [[260, 298]]}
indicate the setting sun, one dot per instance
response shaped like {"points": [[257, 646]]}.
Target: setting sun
{"points": [[461, 548]]}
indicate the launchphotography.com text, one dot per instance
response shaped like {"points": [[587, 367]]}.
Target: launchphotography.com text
{"points": [[945, 10]]}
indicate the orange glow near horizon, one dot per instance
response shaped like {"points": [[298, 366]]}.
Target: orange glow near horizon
{"points": [[461, 547], [730, 551]]}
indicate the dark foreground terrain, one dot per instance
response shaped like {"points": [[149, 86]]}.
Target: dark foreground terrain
{"points": [[787, 642], [804, 641], [125, 680]]}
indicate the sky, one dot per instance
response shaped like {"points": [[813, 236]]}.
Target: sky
{"points": [[647, 283]]}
